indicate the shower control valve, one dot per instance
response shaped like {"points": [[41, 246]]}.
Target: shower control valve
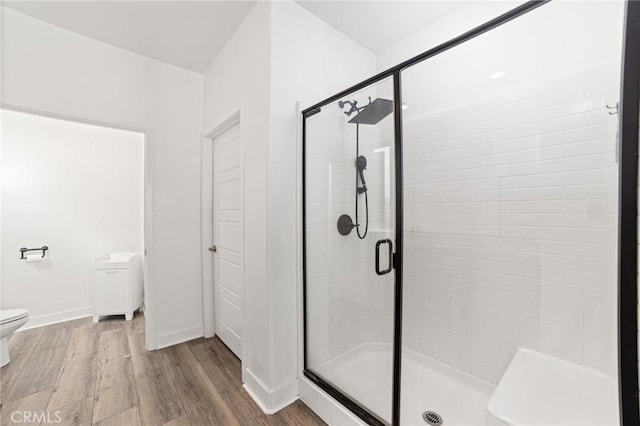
{"points": [[345, 224]]}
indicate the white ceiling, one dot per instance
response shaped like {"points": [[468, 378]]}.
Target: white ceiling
{"points": [[378, 24], [188, 34]]}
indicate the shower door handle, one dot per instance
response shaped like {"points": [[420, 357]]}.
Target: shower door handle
{"points": [[378, 244]]}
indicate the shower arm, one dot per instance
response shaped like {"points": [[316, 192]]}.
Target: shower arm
{"points": [[353, 106]]}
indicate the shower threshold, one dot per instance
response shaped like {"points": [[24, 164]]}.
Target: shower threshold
{"points": [[364, 373]]}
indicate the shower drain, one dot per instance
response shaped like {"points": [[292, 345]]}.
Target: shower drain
{"points": [[433, 418]]}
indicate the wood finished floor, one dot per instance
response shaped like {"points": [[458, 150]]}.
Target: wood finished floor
{"points": [[101, 374]]}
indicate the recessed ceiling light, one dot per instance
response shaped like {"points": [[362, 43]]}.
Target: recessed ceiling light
{"points": [[498, 74]]}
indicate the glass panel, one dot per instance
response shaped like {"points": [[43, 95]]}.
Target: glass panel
{"points": [[349, 308], [510, 219]]}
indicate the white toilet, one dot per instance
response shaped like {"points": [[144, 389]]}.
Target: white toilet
{"points": [[10, 321]]}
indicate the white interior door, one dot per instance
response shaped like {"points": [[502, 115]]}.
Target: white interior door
{"points": [[228, 239]]}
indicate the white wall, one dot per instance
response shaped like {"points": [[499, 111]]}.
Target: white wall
{"points": [[281, 54], [310, 61], [459, 21], [77, 188], [46, 68], [238, 80]]}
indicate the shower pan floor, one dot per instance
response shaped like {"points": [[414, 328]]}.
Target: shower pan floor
{"points": [[364, 373]]}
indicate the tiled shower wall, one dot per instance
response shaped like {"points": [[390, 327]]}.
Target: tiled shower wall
{"points": [[334, 290], [347, 303], [511, 227]]}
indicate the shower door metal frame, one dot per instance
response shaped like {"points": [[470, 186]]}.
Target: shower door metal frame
{"points": [[628, 219], [627, 214], [356, 408]]}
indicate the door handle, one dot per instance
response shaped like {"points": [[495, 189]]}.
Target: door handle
{"points": [[213, 248], [378, 244]]}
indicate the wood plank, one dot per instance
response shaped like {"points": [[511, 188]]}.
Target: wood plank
{"points": [[136, 325], [193, 383], [34, 403], [225, 376], [224, 370], [21, 347], [297, 414], [111, 322], [77, 378], [158, 400], [115, 386], [39, 369], [78, 413], [136, 336], [22, 343], [80, 322], [130, 417], [180, 421], [201, 400], [245, 408], [225, 355]]}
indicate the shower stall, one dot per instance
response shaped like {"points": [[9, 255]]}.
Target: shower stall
{"points": [[465, 258]]}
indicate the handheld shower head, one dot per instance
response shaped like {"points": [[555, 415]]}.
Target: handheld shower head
{"points": [[361, 164]]}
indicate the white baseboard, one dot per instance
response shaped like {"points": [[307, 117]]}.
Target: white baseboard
{"points": [[178, 336], [329, 410], [270, 401], [56, 317]]}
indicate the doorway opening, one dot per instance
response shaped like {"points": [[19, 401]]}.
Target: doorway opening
{"points": [[82, 189]]}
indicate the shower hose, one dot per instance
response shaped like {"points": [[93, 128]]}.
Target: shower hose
{"points": [[366, 193]]}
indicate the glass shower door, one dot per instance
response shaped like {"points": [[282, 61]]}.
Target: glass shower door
{"points": [[510, 216], [349, 224]]}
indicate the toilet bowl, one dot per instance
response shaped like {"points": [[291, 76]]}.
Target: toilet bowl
{"points": [[10, 321]]}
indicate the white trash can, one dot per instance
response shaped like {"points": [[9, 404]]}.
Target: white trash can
{"points": [[117, 284]]}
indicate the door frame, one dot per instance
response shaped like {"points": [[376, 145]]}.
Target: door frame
{"points": [[148, 204], [206, 218]]}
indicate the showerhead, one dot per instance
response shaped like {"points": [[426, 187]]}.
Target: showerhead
{"points": [[374, 112]]}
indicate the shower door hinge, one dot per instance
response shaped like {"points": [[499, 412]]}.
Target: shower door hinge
{"points": [[312, 112], [613, 110]]}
